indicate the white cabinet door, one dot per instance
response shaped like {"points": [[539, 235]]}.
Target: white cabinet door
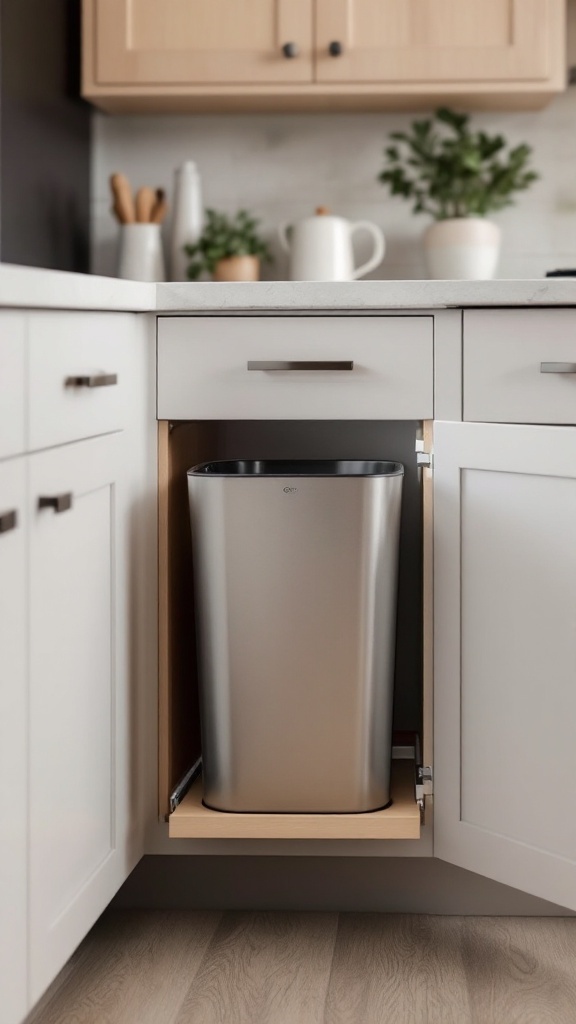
{"points": [[79, 753], [505, 654], [13, 741]]}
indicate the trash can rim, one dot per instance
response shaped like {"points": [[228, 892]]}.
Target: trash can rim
{"points": [[312, 468]]}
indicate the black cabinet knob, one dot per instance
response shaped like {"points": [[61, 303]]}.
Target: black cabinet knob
{"points": [[335, 49], [290, 50]]}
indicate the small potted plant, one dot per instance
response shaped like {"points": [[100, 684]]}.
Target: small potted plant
{"points": [[229, 248], [457, 176]]}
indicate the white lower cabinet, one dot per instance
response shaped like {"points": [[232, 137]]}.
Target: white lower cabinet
{"points": [[78, 755], [77, 631], [13, 741], [505, 653]]}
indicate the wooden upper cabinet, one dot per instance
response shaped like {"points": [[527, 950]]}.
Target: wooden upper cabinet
{"points": [[179, 55], [199, 42], [433, 41]]}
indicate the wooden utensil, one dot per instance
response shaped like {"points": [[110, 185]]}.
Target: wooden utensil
{"points": [[160, 207], [123, 207], [145, 202]]}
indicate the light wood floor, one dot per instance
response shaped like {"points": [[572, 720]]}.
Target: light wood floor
{"points": [[186, 967]]}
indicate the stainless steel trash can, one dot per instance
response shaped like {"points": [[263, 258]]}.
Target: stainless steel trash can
{"points": [[295, 567]]}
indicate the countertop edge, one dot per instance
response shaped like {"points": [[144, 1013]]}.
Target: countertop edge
{"points": [[35, 288]]}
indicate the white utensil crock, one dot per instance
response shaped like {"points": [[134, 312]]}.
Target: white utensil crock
{"points": [[141, 257], [462, 249], [320, 248]]}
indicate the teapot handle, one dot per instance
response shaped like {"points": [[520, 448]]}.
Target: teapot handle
{"points": [[283, 230], [379, 247]]}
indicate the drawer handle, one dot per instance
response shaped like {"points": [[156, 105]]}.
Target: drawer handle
{"points": [[279, 364], [57, 502], [8, 521], [97, 380], [557, 367]]}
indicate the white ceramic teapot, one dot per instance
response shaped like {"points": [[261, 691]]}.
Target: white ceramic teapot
{"points": [[320, 247]]}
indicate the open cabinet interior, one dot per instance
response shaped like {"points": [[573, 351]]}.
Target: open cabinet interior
{"points": [[186, 444]]}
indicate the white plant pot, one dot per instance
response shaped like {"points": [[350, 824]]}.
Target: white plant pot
{"points": [[462, 249]]}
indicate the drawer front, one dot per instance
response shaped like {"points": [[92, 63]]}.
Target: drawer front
{"points": [[12, 383], [356, 368], [520, 366], [77, 376]]}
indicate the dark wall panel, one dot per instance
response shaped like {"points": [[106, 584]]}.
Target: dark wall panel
{"points": [[44, 137]]}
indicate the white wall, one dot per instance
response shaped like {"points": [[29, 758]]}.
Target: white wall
{"points": [[283, 166]]}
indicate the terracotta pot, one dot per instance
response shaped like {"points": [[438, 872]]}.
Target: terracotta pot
{"points": [[237, 268], [462, 249]]}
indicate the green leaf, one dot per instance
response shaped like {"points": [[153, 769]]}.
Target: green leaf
{"points": [[225, 236], [449, 170]]}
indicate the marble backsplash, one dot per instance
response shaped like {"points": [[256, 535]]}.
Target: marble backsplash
{"points": [[283, 166]]}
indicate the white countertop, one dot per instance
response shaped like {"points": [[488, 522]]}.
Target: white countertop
{"points": [[30, 288], [24, 287], [298, 295]]}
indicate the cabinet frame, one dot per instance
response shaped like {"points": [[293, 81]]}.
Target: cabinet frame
{"points": [[179, 446]]}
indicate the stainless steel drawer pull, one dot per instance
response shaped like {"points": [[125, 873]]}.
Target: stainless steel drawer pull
{"points": [[8, 521], [557, 367], [279, 364], [57, 502], [97, 380]]}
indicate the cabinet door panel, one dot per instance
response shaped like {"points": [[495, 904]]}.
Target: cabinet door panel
{"points": [[73, 842], [505, 651], [437, 40], [76, 344], [13, 743], [195, 42]]}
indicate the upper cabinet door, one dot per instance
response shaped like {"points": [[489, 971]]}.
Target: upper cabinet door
{"points": [[452, 41], [505, 654], [200, 42]]}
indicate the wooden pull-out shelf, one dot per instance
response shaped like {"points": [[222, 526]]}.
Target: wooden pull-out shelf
{"points": [[191, 820]]}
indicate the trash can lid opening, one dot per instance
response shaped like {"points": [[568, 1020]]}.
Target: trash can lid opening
{"points": [[297, 467]]}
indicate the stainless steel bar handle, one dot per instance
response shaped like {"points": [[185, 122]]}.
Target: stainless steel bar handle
{"points": [[57, 502], [557, 367], [8, 521], [96, 380], [306, 364]]}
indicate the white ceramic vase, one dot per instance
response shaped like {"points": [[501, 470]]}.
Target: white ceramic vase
{"points": [[187, 218], [462, 249], [141, 256]]}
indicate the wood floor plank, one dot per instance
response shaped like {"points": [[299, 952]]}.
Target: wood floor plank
{"points": [[264, 969], [135, 967], [187, 967], [397, 969], [521, 970]]}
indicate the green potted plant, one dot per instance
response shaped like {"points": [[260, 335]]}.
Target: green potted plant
{"points": [[457, 176], [229, 248]]}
